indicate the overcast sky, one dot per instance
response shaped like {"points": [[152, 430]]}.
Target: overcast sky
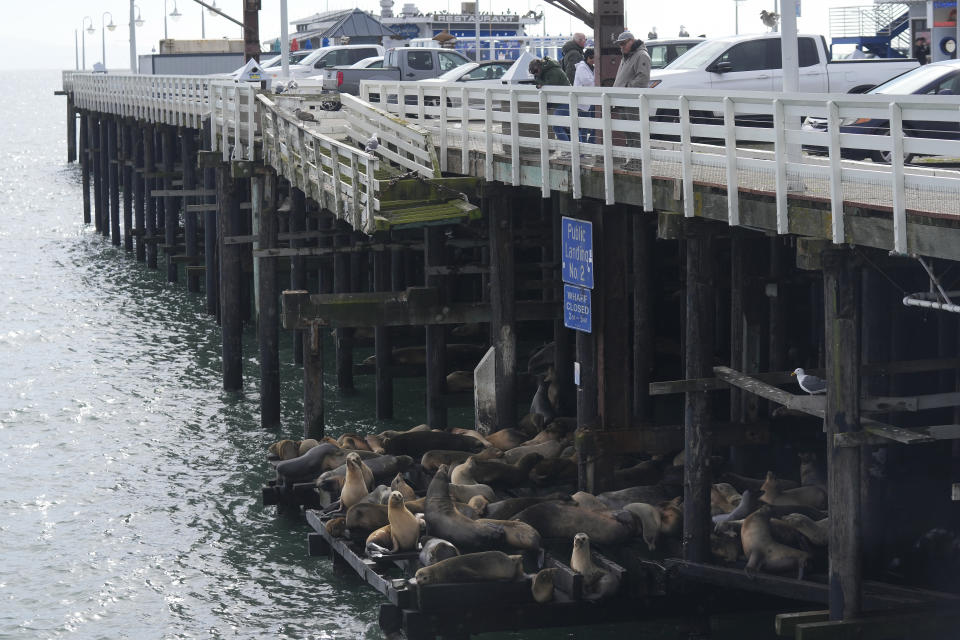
{"points": [[40, 34]]}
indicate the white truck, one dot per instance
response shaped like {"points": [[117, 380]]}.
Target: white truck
{"points": [[753, 63]]}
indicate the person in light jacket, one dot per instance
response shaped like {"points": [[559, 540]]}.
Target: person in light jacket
{"points": [[634, 71], [584, 78]]}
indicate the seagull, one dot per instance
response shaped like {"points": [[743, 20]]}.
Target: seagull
{"points": [[769, 18], [292, 85], [811, 384], [683, 32], [372, 144], [304, 115], [652, 34]]}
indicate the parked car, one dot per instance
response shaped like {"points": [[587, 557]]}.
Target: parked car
{"points": [[753, 63], [938, 78], [663, 52], [406, 63], [326, 57], [373, 62], [475, 72]]}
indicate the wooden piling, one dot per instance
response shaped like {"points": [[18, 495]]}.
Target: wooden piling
{"points": [[298, 264], [841, 294], [341, 284], [313, 418], [211, 260], [229, 193], [737, 246], [127, 130], [263, 200], [150, 203], [85, 164], [139, 191], [100, 177], [171, 204], [436, 336], [188, 163], [381, 340], [698, 358], [113, 165], [503, 330], [72, 130], [642, 281]]}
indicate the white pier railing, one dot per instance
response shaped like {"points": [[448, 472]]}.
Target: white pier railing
{"points": [[707, 137]]}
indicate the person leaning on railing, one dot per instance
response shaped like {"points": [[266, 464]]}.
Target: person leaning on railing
{"points": [[548, 72], [634, 71], [585, 78]]}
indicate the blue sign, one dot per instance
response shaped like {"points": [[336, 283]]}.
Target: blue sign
{"points": [[577, 249], [576, 308]]}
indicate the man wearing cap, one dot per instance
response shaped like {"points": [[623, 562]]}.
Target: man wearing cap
{"points": [[634, 68], [634, 71]]}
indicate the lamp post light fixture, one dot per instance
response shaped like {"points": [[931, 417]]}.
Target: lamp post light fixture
{"points": [[103, 37], [175, 14], [135, 21], [84, 30]]}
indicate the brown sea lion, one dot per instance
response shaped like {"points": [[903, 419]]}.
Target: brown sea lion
{"points": [[445, 521], [649, 517], [810, 472], [543, 585], [307, 467], [723, 498], [404, 526], [484, 566], [763, 552], [811, 496], [742, 483], [479, 504], [306, 445], [284, 449], [459, 381], [558, 520], [379, 540], [817, 532], [530, 424], [671, 517], [506, 439], [653, 494], [416, 443], [365, 516], [506, 509], [589, 501], [473, 433], [355, 486], [494, 472], [353, 441], [646, 472], [549, 449], [554, 471], [375, 443], [597, 583], [336, 527], [399, 484]]}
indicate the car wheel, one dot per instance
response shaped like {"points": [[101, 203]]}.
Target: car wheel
{"points": [[885, 157]]}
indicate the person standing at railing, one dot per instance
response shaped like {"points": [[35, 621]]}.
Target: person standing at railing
{"points": [[548, 72], [572, 54], [634, 71], [585, 78]]}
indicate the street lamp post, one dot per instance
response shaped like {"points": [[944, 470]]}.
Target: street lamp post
{"points": [[103, 37], [736, 16], [83, 39], [134, 23], [175, 14]]}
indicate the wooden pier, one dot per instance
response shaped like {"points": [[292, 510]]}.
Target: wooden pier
{"points": [[710, 284]]}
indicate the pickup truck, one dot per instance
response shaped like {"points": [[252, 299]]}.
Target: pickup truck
{"points": [[753, 63], [405, 63], [319, 59]]}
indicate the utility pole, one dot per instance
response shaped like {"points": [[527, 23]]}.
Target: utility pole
{"points": [[251, 30]]}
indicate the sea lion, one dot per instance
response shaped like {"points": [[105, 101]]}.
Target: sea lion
{"points": [[597, 583], [375, 442], [464, 492], [747, 504], [353, 441], [404, 526], [817, 532], [671, 517], [723, 498], [554, 471], [742, 483], [479, 504], [355, 485], [530, 424], [506, 439], [483, 566], [542, 585], [431, 460], [284, 449], [494, 472], [365, 516], [416, 443], [810, 496], [540, 405], [307, 467], [336, 527], [725, 547], [444, 521], [379, 540], [399, 484], [646, 472], [436, 549], [459, 381], [506, 509], [306, 445], [542, 359], [549, 449], [653, 494], [589, 501], [558, 520], [763, 552], [469, 330], [649, 517], [378, 495], [810, 472], [554, 431], [472, 433]]}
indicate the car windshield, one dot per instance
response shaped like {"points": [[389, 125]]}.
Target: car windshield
{"points": [[700, 56], [913, 81]]}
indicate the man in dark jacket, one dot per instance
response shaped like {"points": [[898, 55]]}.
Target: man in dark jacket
{"points": [[571, 54], [548, 72]]}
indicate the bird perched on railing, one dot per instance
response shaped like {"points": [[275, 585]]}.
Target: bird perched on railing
{"points": [[652, 34], [683, 32], [304, 115], [769, 18], [372, 143]]}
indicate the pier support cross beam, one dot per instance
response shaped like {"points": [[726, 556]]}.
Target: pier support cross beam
{"points": [[841, 290], [700, 310]]}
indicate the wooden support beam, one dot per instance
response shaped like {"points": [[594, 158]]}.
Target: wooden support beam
{"points": [[814, 405], [498, 209], [150, 203], [642, 244], [296, 223], [313, 401], [928, 625], [381, 341], [99, 133], [263, 198], [85, 164], [171, 211], [343, 334], [113, 176], [434, 254], [841, 287], [191, 223], [211, 259], [128, 130], [71, 130], [700, 297], [785, 624], [231, 325]]}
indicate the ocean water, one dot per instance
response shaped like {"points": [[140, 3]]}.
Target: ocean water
{"points": [[129, 481]]}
